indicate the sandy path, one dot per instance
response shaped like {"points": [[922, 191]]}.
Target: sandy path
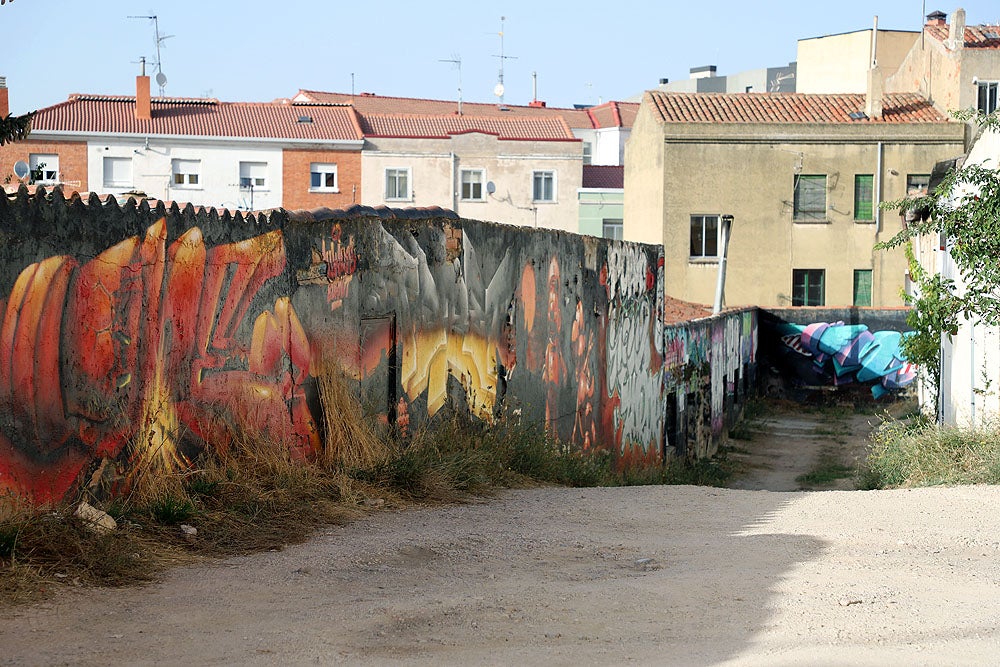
{"points": [[561, 576]]}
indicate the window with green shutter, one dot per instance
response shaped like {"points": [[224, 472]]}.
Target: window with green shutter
{"points": [[862, 287], [864, 190]]}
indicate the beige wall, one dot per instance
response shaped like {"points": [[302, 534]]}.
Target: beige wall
{"points": [[749, 172], [945, 76], [840, 63], [508, 164], [644, 184]]}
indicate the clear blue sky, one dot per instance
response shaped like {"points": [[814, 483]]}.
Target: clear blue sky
{"points": [[256, 51]]}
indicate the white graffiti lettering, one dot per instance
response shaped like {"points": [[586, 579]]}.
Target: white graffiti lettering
{"points": [[628, 373]]}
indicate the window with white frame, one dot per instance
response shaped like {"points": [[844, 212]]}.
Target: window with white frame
{"points": [[186, 173], [44, 167], [397, 184], [253, 175], [588, 152], [472, 184], [986, 97], [117, 172], [704, 236], [611, 228], [543, 186], [323, 177]]}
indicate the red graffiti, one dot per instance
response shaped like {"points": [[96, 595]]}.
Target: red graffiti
{"points": [[142, 349]]}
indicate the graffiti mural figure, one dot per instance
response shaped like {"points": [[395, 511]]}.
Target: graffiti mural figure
{"points": [[147, 350], [838, 354]]}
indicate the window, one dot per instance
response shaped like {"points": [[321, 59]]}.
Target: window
{"points": [[704, 236], [185, 172], [588, 152], [544, 186], [810, 199], [472, 185], [253, 175], [611, 228], [397, 184], [917, 184], [864, 201], [862, 287], [117, 172], [987, 96], [323, 177], [44, 168], [807, 287]]}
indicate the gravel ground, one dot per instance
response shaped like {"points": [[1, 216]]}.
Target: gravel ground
{"points": [[650, 575], [676, 575]]}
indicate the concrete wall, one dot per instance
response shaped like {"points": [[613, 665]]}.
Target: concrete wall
{"points": [[711, 370], [133, 338], [840, 63]]}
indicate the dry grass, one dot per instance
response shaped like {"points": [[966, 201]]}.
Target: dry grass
{"points": [[253, 496], [351, 442]]}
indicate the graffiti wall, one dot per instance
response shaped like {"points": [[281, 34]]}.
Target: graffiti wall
{"points": [[710, 372], [845, 349], [132, 338]]}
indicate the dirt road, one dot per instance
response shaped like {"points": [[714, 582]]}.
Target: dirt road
{"points": [[645, 575]]}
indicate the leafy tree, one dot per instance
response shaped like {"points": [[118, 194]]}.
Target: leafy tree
{"points": [[15, 128], [964, 208]]}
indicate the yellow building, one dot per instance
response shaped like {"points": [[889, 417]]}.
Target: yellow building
{"points": [[802, 174]]}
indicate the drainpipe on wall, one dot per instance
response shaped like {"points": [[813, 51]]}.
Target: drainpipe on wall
{"points": [[720, 285], [878, 190], [454, 188]]}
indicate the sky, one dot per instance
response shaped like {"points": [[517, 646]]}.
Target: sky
{"points": [[251, 50]]}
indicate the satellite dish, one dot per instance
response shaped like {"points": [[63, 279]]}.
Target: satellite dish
{"points": [[490, 187], [21, 169], [498, 90], [161, 79]]}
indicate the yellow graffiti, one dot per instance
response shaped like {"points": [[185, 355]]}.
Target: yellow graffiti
{"points": [[430, 357]]}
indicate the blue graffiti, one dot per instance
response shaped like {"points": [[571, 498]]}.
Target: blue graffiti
{"points": [[842, 354]]}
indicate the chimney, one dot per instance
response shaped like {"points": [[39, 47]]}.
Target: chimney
{"points": [[536, 104], [936, 18], [873, 97], [4, 101], [143, 103], [956, 31], [705, 72]]}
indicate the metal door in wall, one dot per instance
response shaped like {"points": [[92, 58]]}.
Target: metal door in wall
{"points": [[380, 369]]}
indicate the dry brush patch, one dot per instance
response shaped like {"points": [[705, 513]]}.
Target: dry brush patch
{"points": [[254, 495]]}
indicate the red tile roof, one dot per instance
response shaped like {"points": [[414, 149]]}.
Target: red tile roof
{"points": [[976, 36], [200, 117], [787, 108], [367, 103], [410, 125], [614, 114], [676, 311], [603, 176]]}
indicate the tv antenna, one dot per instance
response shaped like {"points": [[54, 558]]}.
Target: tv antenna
{"points": [[161, 78], [457, 61], [498, 90]]}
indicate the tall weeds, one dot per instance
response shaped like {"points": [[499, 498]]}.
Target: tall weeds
{"points": [[905, 454]]}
